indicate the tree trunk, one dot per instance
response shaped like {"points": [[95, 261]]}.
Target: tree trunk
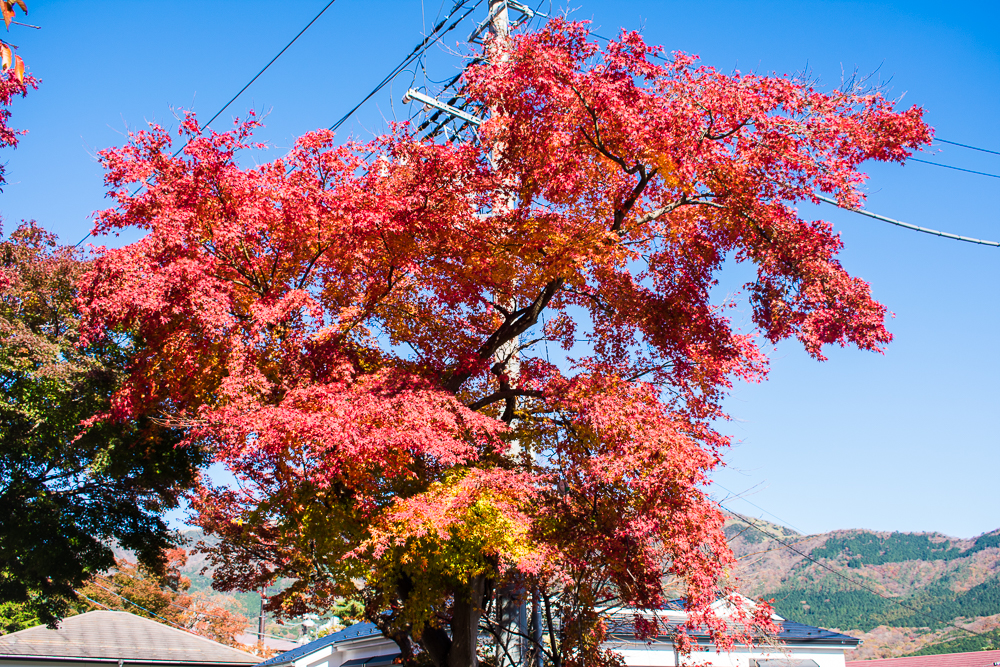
{"points": [[458, 650], [465, 624]]}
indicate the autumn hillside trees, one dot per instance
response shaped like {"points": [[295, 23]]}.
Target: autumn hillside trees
{"points": [[163, 596], [333, 328]]}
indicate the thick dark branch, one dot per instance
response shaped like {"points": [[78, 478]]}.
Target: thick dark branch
{"points": [[725, 135], [503, 395], [312, 263], [597, 142], [514, 325], [627, 205], [683, 201], [553, 642]]}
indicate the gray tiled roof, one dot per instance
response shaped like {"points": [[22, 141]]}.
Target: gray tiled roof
{"points": [[789, 632], [119, 635]]}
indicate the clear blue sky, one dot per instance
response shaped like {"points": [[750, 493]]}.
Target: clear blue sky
{"points": [[905, 441]]}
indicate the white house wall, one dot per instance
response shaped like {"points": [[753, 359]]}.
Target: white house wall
{"points": [[636, 654], [337, 654], [662, 655]]}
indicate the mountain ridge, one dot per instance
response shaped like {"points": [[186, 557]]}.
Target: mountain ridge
{"points": [[900, 592]]}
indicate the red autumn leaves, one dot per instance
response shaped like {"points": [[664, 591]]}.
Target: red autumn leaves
{"points": [[329, 326]]}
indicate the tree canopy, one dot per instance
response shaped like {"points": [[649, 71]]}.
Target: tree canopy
{"points": [[361, 333]]}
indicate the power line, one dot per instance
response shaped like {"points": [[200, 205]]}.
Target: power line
{"points": [[948, 166], [171, 604], [93, 601], [264, 69], [427, 42], [975, 148], [166, 620], [241, 91], [900, 223], [920, 612], [740, 497], [140, 607]]}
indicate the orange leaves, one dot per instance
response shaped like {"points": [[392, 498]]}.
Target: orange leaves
{"points": [[7, 8], [8, 12], [11, 86], [8, 60]]}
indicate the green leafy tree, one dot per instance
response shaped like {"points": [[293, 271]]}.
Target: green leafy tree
{"points": [[73, 478], [14, 617]]}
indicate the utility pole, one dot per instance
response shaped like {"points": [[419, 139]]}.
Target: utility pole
{"points": [[515, 645], [261, 617], [512, 607]]}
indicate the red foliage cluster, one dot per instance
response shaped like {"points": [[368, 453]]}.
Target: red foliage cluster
{"points": [[338, 330], [12, 84]]}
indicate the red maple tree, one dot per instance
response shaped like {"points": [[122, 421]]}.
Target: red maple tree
{"points": [[364, 342]]}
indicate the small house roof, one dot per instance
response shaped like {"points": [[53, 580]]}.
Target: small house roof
{"points": [[789, 632], [119, 635], [356, 631]]}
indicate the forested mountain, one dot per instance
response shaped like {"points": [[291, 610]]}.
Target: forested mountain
{"points": [[901, 592]]}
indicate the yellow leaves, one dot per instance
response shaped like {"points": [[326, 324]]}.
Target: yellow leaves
{"points": [[435, 544], [456, 530], [666, 169]]}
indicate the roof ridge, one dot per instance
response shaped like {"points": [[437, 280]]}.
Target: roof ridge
{"points": [[72, 628], [186, 633]]}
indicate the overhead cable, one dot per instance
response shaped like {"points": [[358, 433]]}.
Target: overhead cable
{"points": [[172, 604], [264, 69], [141, 607], [743, 498], [948, 166], [900, 223], [975, 148], [99, 604], [241, 91], [427, 42]]}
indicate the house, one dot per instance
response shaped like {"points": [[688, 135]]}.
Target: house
{"points": [[970, 659], [362, 645], [99, 638]]}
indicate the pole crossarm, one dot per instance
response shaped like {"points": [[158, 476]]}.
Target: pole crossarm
{"points": [[412, 94]]}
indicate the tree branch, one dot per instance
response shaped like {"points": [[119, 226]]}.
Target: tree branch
{"points": [[503, 394], [514, 325]]}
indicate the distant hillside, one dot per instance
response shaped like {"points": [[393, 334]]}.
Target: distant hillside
{"points": [[246, 604], [908, 590]]}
